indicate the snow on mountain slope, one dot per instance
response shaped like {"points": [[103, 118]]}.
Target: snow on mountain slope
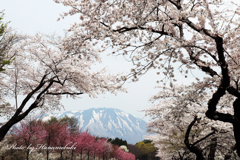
{"points": [[108, 122]]}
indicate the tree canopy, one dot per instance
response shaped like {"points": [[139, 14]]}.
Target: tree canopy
{"points": [[44, 71], [72, 123], [146, 147]]}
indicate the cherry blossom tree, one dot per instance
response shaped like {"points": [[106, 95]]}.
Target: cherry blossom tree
{"points": [[81, 141], [63, 138], [43, 71], [72, 129], [52, 136], [198, 35], [121, 155], [89, 143], [107, 149], [114, 151], [29, 134], [74, 140], [172, 113], [98, 148]]}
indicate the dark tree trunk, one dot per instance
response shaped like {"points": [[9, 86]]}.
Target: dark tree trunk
{"points": [[81, 153], [212, 149], [88, 155], [61, 154], [15, 119], [196, 150], [18, 115], [28, 154], [47, 154], [236, 124], [103, 156], [72, 155]]}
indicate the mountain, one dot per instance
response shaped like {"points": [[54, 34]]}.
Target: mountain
{"points": [[107, 122]]}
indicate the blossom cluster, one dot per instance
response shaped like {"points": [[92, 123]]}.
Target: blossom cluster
{"points": [[42, 136]]}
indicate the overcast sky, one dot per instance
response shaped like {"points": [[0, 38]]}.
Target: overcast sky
{"points": [[32, 16]]}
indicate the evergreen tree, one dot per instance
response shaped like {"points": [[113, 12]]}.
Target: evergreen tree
{"points": [[118, 141]]}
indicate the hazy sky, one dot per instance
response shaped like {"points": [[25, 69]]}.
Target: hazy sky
{"points": [[32, 16]]}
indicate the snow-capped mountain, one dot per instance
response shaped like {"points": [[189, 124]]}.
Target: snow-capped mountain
{"points": [[108, 122]]}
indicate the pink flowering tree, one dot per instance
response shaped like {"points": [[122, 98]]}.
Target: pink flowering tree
{"points": [[114, 151], [63, 138], [43, 71], [72, 129], [29, 134], [89, 144], [82, 141], [52, 138], [121, 155], [107, 149], [103, 148], [74, 140], [171, 36], [80, 144], [98, 146]]}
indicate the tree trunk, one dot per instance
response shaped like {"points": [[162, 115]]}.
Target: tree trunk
{"points": [[72, 155], [15, 119], [212, 149], [19, 115], [61, 154], [47, 154], [193, 148], [88, 155], [81, 154], [28, 154], [236, 124]]}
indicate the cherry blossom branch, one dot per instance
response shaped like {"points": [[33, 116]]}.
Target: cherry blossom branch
{"points": [[176, 4], [17, 116], [202, 49], [225, 82], [202, 139], [67, 93], [201, 64], [196, 150], [212, 113], [198, 29], [29, 96]]}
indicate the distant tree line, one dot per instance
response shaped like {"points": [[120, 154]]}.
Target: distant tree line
{"points": [[58, 139], [36, 138]]}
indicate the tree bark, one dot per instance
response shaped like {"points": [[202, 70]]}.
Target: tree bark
{"points": [[212, 149], [72, 155], [17, 117], [195, 149], [236, 124]]}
